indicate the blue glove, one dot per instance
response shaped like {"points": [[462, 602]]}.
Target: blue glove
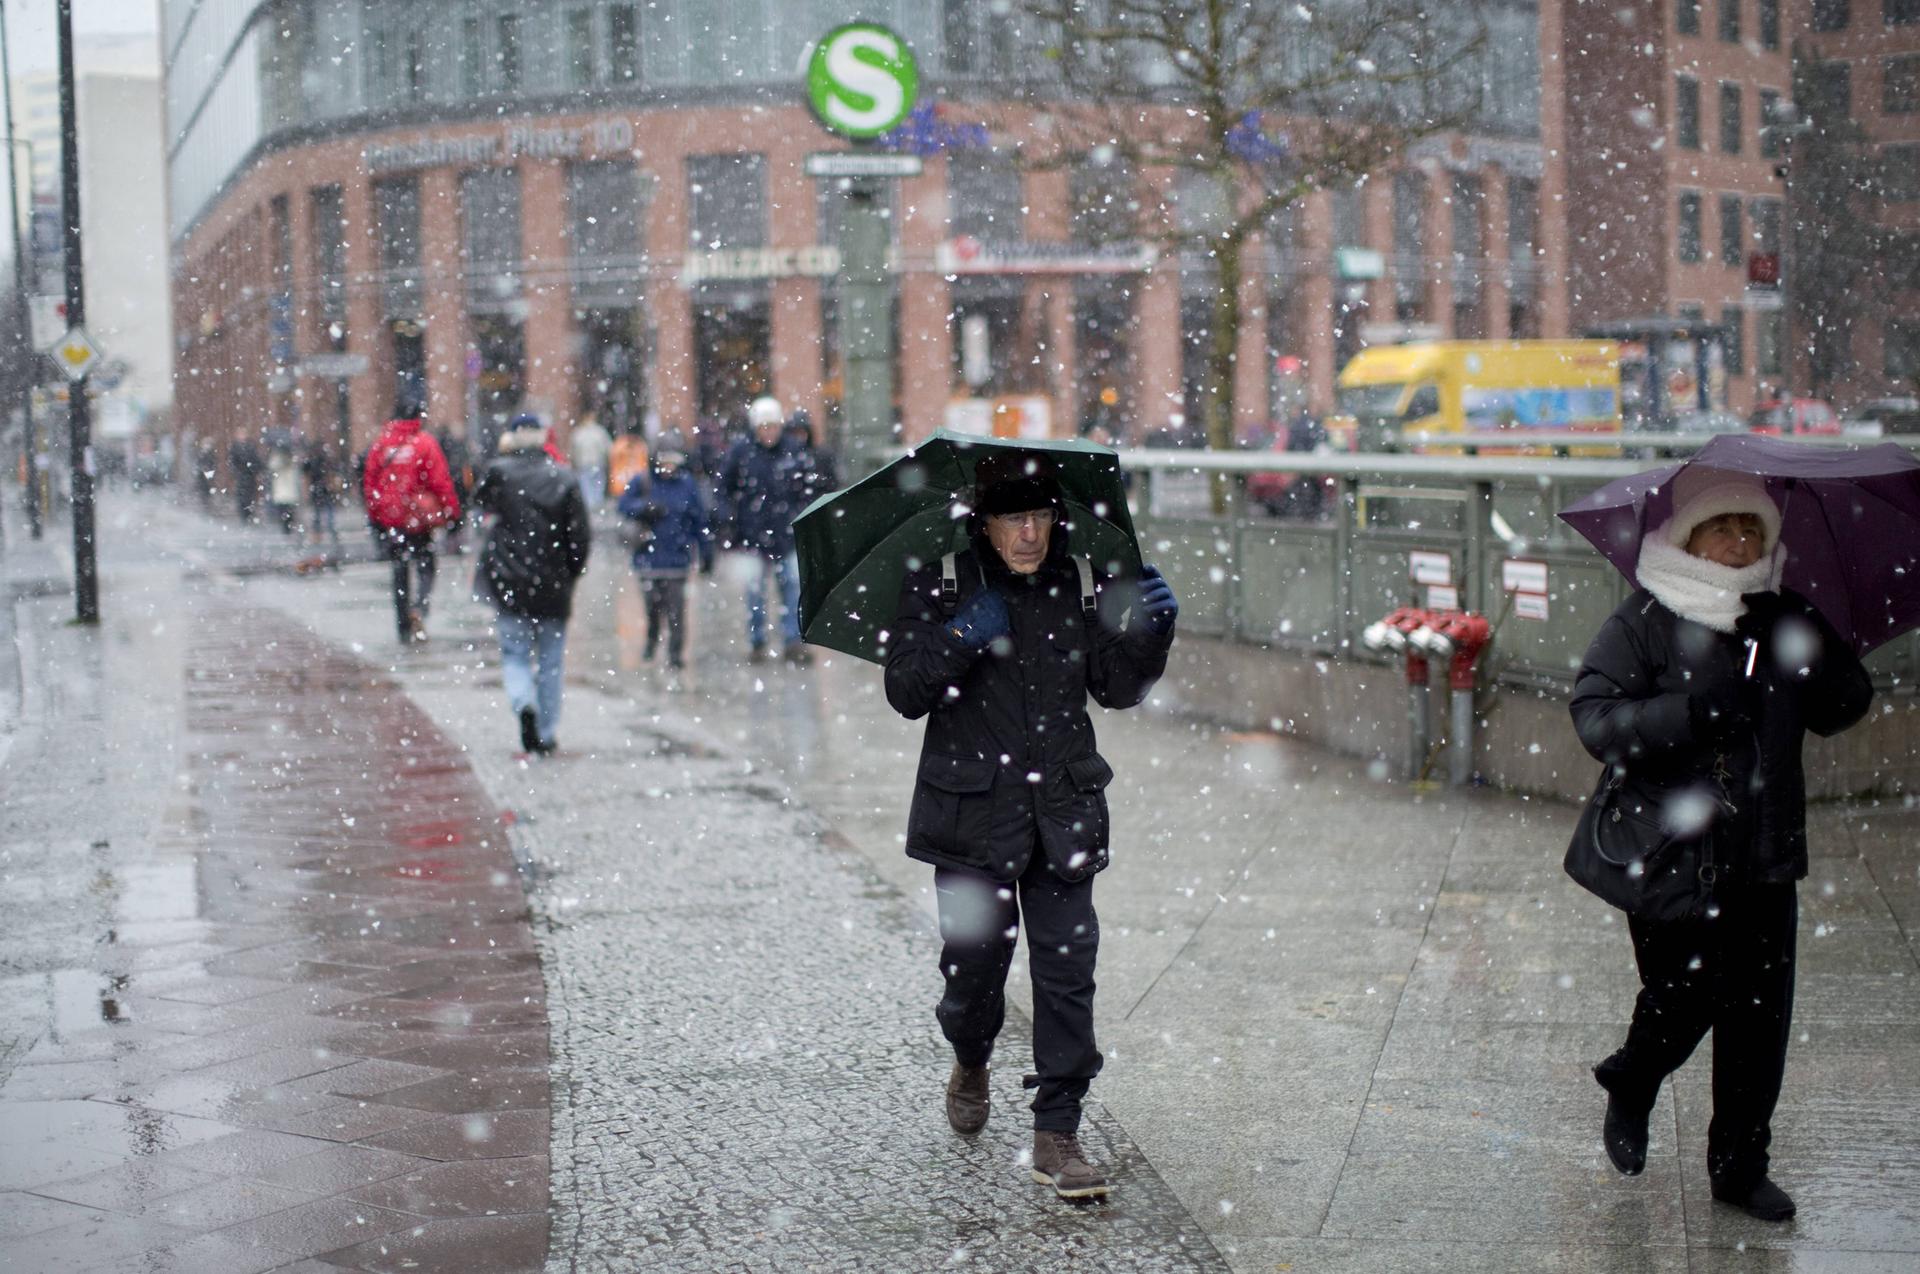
{"points": [[983, 618], [1157, 609]]}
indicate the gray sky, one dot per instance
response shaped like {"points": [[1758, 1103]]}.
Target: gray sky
{"points": [[30, 34]]}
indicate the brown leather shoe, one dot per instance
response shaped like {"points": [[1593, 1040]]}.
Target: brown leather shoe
{"points": [[1059, 1162], [967, 1100]]}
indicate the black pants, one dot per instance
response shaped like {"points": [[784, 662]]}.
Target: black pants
{"points": [[666, 600], [979, 921], [1732, 975], [413, 570]]}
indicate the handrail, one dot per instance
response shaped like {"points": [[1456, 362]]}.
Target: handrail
{"points": [[1383, 464], [1559, 439]]}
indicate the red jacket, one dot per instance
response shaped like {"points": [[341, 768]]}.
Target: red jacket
{"points": [[408, 487]]}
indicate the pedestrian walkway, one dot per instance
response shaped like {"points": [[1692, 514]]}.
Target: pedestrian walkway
{"points": [[1348, 1026]]}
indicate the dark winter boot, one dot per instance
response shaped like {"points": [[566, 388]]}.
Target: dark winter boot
{"points": [[798, 655], [967, 1100], [1059, 1162], [529, 730], [1761, 1199], [1624, 1130]]}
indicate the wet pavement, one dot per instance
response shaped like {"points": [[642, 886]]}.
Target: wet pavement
{"points": [[1348, 1026]]}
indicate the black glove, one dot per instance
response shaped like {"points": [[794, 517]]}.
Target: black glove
{"points": [[983, 618], [1158, 607], [1721, 713], [1763, 611]]}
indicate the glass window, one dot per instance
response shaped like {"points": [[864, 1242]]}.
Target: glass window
{"points": [[1409, 243], [1900, 85], [604, 199], [1769, 24], [1468, 208], [280, 218], [1349, 218], [414, 67], [397, 203], [1734, 320], [623, 44], [1730, 21], [1686, 16], [1900, 357], [1732, 108], [1686, 112], [329, 209], [507, 35], [1765, 214], [1732, 241], [1689, 227], [473, 58], [581, 72], [1770, 122], [1902, 166], [1523, 218], [1897, 13], [1824, 92], [983, 197], [727, 199], [1831, 15], [1769, 340], [490, 198], [1102, 200]]}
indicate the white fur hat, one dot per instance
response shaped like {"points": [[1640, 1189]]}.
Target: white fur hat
{"points": [[1700, 494], [765, 411]]}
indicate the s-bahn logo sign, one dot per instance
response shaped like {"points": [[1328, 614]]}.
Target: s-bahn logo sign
{"points": [[861, 80]]}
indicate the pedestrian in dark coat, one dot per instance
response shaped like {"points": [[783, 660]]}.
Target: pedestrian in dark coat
{"points": [[679, 536], [535, 553], [1701, 687], [1010, 805], [758, 484]]}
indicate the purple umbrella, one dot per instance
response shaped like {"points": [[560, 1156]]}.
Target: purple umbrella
{"points": [[1849, 525]]}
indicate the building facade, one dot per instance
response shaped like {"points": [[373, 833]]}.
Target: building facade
{"points": [[602, 206]]}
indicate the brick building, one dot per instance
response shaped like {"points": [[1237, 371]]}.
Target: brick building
{"points": [[602, 206]]}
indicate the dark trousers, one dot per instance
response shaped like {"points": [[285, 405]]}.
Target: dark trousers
{"points": [[1732, 975], [666, 601], [413, 570], [980, 919]]}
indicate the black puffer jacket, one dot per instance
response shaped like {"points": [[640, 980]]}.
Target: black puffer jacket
{"points": [[1630, 708], [1008, 757], [537, 547]]}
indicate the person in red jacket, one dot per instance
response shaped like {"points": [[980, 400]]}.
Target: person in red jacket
{"points": [[409, 492]]}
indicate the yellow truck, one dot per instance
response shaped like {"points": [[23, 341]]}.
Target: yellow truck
{"points": [[1532, 390]]}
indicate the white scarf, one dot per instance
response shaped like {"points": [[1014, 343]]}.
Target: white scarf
{"points": [[1694, 588]]}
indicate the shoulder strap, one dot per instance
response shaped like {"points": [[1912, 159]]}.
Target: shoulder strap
{"points": [[949, 582], [1089, 604]]}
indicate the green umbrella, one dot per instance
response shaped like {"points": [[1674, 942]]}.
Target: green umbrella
{"points": [[857, 544]]}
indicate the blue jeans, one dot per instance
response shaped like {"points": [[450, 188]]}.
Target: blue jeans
{"points": [[525, 643], [593, 487], [786, 574]]}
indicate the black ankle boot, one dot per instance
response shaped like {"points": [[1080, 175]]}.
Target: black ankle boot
{"points": [[1760, 1198], [1624, 1130]]}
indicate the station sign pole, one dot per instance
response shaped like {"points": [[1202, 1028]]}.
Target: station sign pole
{"points": [[861, 83]]}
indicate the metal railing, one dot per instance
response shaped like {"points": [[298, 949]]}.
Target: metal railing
{"points": [[1311, 573]]}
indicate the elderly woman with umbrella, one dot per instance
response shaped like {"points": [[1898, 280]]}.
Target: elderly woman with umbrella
{"points": [[1002, 588], [1697, 694]]}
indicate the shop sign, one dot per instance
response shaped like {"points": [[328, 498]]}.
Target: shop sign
{"points": [[855, 163], [513, 141], [337, 366], [1427, 567], [967, 255], [731, 264], [1359, 263]]}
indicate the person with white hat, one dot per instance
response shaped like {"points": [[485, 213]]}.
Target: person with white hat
{"points": [[758, 490], [1698, 692]]}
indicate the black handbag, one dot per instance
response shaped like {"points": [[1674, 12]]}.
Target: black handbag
{"points": [[1623, 854]]}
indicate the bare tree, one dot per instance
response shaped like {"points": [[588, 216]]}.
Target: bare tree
{"points": [[1262, 102]]}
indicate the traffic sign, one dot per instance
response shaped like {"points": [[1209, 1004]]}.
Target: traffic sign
{"points": [[76, 354], [862, 80], [853, 163]]}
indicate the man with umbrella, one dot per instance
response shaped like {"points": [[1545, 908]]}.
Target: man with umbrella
{"points": [[999, 646], [1698, 693]]}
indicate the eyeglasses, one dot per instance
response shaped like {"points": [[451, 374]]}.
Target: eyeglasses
{"points": [[1041, 518]]}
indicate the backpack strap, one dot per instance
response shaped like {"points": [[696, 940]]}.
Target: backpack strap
{"points": [[949, 582], [1089, 604]]}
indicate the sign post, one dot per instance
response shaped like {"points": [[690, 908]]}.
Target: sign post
{"points": [[76, 354], [861, 83]]}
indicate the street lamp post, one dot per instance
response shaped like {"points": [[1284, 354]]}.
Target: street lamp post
{"points": [[86, 577]]}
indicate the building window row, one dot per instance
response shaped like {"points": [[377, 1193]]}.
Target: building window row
{"points": [[1767, 13], [1746, 226], [1686, 117]]}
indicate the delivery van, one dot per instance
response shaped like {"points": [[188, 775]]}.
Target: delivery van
{"points": [[1545, 388]]}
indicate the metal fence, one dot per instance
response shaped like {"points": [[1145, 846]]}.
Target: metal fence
{"points": [[1311, 583]]}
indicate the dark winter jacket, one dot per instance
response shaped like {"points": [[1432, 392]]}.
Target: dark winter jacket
{"points": [[810, 471], [672, 506], [757, 484], [537, 546], [1630, 708], [1008, 758]]}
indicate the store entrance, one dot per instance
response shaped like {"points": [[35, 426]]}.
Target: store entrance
{"points": [[733, 345], [500, 378], [613, 367]]}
